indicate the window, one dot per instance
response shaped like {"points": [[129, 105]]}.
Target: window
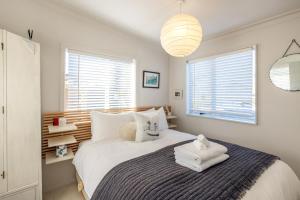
{"points": [[98, 82], [223, 87]]}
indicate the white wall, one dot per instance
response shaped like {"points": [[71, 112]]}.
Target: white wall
{"points": [[278, 129], [56, 27]]}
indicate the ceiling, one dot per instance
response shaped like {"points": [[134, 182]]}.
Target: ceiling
{"points": [[146, 17]]}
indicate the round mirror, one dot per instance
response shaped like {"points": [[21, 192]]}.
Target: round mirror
{"points": [[285, 73]]}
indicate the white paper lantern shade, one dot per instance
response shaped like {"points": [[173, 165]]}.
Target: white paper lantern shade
{"points": [[181, 35]]}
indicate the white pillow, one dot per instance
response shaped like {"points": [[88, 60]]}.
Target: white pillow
{"points": [[147, 127], [163, 119], [107, 125], [163, 123]]}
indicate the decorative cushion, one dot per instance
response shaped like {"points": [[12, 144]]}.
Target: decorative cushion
{"points": [[147, 126], [107, 125], [163, 123], [128, 131]]}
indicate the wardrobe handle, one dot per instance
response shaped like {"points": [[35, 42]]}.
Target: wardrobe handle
{"points": [[3, 174]]}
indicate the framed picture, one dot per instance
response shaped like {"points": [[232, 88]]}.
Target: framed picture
{"points": [[178, 94], [151, 79]]}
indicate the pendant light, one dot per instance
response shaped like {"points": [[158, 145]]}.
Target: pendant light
{"points": [[181, 35]]}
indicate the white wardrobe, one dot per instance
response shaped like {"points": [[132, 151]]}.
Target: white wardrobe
{"points": [[20, 118]]}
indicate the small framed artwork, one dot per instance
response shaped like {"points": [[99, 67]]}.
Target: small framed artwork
{"points": [[151, 79], [178, 94]]}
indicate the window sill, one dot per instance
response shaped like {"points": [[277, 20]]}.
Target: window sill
{"points": [[223, 118]]}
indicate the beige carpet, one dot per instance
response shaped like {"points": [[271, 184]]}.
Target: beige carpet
{"points": [[66, 193]]}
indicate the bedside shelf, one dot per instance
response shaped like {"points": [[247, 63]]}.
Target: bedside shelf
{"points": [[51, 157], [171, 121], [171, 117], [61, 140], [58, 129], [171, 126]]}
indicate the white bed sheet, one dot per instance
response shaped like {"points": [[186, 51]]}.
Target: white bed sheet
{"points": [[94, 159]]}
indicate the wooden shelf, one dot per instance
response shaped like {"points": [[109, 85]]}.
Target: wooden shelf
{"points": [[51, 157], [58, 129], [172, 126], [61, 140], [171, 117]]}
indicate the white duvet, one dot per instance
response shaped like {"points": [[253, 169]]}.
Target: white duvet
{"points": [[94, 159]]}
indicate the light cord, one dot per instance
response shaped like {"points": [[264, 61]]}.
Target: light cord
{"points": [[180, 5]]}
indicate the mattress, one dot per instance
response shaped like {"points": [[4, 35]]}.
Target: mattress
{"points": [[94, 159]]}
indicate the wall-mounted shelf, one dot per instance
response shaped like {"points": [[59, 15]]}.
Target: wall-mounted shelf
{"points": [[58, 141], [171, 120], [171, 117], [61, 140], [58, 129], [51, 157], [171, 126]]}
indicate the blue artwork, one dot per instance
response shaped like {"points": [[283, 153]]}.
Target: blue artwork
{"points": [[151, 79]]}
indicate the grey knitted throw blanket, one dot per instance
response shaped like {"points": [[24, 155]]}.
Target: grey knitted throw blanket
{"points": [[156, 176]]}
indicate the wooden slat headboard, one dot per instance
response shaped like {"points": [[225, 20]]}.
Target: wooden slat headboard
{"points": [[82, 121]]}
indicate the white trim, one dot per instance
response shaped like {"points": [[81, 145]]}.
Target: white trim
{"points": [[253, 47], [4, 40], [98, 51], [255, 62], [251, 25], [102, 55], [222, 119], [62, 79], [20, 190], [187, 77]]}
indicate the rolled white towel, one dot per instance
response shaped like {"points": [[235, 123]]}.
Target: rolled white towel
{"points": [[189, 151], [199, 145], [204, 165], [201, 142]]}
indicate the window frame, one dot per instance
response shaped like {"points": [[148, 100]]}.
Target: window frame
{"points": [[91, 52], [255, 76]]}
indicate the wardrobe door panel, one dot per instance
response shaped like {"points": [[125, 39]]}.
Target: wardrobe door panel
{"points": [[23, 112], [2, 144], [25, 195]]}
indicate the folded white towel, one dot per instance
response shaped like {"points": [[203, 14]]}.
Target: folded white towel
{"points": [[189, 151], [201, 142], [188, 159], [195, 163], [204, 165]]}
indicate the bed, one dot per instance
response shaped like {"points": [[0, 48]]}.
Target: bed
{"points": [[94, 160]]}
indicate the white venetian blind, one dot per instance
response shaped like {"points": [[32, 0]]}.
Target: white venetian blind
{"points": [[98, 82], [223, 87]]}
